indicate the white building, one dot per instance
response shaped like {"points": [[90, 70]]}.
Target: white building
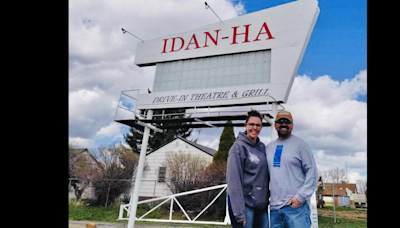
{"points": [[153, 182]]}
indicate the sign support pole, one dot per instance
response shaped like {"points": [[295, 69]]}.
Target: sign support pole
{"points": [[138, 180], [274, 134]]}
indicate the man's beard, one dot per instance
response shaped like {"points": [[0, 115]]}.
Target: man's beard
{"points": [[283, 134]]}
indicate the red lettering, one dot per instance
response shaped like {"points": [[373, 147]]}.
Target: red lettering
{"points": [[190, 42], [264, 26], [246, 39], [173, 44], [165, 45], [213, 40]]}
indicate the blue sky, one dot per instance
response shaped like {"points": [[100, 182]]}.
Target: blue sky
{"points": [[328, 96], [338, 44]]}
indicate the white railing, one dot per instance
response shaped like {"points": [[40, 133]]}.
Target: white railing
{"points": [[173, 199]]}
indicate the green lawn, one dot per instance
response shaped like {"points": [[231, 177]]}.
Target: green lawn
{"points": [[80, 211], [327, 222]]}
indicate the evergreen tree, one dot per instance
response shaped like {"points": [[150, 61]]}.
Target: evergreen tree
{"points": [[156, 139], [225, 142], [134, 139]]}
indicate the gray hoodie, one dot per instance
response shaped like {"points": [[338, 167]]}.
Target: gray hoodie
{"points": [[247, 176]]}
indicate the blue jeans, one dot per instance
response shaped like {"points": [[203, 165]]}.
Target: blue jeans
{"points": [[291, 217], [255, 218]]}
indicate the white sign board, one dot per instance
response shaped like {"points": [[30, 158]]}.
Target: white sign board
{"points": [[284, 30], [225, 96]]}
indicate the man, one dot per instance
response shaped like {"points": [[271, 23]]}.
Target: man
{"points": [[293, 176]]}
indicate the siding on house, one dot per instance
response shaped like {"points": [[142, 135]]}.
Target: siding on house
{"points": [[150, 187], [340, 190]]}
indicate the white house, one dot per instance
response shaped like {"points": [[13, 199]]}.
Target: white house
{"points": [[153, 182]]}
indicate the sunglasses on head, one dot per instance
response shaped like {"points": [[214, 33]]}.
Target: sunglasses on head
{"points": [[281, 121]]}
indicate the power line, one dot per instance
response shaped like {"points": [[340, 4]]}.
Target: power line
{"points": [[208, 6]]}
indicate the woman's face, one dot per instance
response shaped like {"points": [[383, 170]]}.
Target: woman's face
{"points": [[253, 127]]}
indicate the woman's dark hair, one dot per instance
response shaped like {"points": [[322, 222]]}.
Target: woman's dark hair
{"points": [[253, 113]]}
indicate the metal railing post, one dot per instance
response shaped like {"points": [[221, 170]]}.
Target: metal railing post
{"points": [[227, 219], [108, 193], [333, 197]]}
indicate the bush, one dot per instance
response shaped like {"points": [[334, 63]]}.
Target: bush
{"points": [[114, 173], [111, 189], [188, 172]]}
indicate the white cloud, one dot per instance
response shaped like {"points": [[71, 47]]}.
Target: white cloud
{"points": [[109, 131], [82, 142], [101, 57], [356, 164], [211, 144], [326, 115]]}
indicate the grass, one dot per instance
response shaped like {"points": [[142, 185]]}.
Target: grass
{"points": [[327, 222], [78, 210], [109, 214]]}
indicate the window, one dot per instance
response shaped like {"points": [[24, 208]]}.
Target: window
{"points": [[161, 174]]}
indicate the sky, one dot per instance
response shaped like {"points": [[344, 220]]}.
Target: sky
{"points": [[328, 99]]}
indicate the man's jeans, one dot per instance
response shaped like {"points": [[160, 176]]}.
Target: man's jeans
{"points": [[255, 218], [291, 217]]}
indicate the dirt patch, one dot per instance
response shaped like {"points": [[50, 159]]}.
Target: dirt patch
{"points": [[344, 214]]}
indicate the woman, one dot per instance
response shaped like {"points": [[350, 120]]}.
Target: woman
{"points": [[247, 177]]}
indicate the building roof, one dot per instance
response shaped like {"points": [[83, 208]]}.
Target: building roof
{"points": [[77, 151], [208, 150], [339, 189], [205, 149]]}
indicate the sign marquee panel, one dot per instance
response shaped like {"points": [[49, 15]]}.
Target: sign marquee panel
{"points": [[283, 31], [212, 72]]}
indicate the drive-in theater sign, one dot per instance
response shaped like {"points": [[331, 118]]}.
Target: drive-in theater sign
{"points": [[233, 62]]}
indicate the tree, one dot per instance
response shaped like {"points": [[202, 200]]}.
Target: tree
{"points": [[134, 139], [225, 142], [135, 135], [361, 186], [216, 171], [117, 166], [189, 172], [335, 175], [185, 171], [80, 165]]}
